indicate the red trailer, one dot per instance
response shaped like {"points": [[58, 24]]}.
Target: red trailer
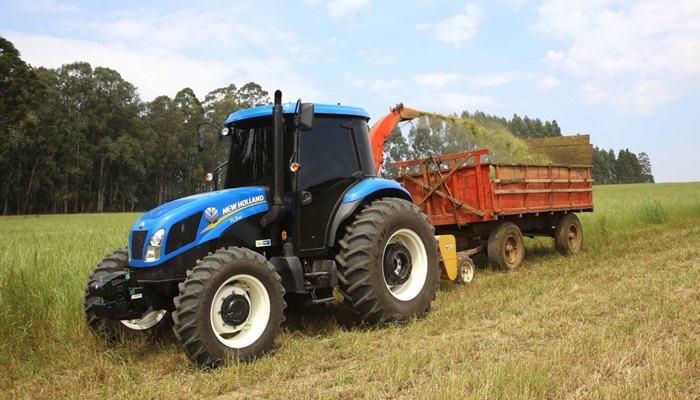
{"points": [[492, 206]]}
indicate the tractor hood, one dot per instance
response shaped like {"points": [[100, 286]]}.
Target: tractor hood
{"points": [[173, 228]]}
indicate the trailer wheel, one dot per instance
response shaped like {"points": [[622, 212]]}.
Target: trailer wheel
{"points": [[230, 306], [388, 262], [465, 270], [153, 323], [505, 248], [568, 234]]}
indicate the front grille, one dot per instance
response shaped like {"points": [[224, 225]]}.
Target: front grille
{"points": [[183, 233], [138, 239]]}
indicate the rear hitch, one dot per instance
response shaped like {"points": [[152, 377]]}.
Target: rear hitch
{"points": [[122, 298]]}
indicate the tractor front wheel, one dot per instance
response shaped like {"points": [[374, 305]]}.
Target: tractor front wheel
{"points": [[230, 306], [152, 324]]}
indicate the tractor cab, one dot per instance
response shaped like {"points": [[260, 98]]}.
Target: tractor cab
{"points": [[319, 164]]}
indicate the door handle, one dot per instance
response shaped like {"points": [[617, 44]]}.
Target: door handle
{"points": [[305, 197]]}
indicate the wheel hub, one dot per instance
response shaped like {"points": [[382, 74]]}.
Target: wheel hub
{"points": [[235, 309], [572, 235], [397, 264]]}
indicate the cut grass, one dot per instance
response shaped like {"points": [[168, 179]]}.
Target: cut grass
{"points": [[618, 320]]}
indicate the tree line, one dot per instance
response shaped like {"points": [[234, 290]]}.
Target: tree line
{"points": [[79, 139], [625, 168]]}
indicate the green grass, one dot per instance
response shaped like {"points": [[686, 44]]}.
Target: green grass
{"points": [[618, 320]]}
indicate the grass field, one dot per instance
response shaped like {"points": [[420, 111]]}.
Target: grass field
{"points": [[619, 320]]}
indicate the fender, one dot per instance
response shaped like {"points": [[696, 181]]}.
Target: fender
{"points": [[193, 220], [362, 193]]}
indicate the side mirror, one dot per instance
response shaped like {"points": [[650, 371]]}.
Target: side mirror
{"points": [[306, 116], [200, 140]]}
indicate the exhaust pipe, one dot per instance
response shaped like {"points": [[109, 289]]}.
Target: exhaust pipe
{"points": [[276, 213]]}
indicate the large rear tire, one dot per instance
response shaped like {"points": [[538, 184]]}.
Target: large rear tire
{"points": [[153, 323], [506, 248], [388, 262], [230, 306], [568, 234]]}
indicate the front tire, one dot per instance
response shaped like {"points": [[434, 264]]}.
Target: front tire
{"points": [[389, 262], [152, 324], [230, 306]]}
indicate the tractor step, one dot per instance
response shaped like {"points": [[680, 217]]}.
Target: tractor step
{"points": [[311, 275], [321, 301]]}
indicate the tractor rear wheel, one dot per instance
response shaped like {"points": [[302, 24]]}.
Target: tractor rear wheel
{"points": [[230, 306], [388, 262], [153, 323], [506, 248], [568, 234]]}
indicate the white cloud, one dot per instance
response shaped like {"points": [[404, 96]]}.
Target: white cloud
{"points": [[205, 29], [44, 6], [634, 56], [376, 57], [499, 78], [346, 8], [640, 99], [547, 83], [516, 4], [160, 54], [458, 30], [165, 72], [440, 80]]}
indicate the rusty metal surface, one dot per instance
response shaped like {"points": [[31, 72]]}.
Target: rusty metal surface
{"points": [[469, 191]]}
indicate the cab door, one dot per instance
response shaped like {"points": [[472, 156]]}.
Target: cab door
{"points": [[327, 160]]}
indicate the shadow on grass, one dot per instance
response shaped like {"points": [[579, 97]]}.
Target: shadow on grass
{"points": [[321, 319]]}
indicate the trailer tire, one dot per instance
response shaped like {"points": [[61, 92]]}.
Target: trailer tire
{"points": [[231, 306], [388, 262], [153, 324], [568, 234], [506, 248], [465, 270]]}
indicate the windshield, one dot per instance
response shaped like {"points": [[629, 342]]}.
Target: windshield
{"points": [[251, 160]]}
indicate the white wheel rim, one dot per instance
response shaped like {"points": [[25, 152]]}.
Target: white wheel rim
{"points": [[419, 259], [467, 272], [248, 332], [150, 319]]}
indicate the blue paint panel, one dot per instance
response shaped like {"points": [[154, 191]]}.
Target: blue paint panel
{"points": [[288, 108], [230, 206], [369, 186]]}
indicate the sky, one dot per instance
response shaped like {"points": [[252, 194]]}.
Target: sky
{"points": [[625, 72]]}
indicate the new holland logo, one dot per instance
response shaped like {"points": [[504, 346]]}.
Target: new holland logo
{"points": [[211, 214]]}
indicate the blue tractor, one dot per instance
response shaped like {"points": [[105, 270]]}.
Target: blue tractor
{"points": [[302, 212]]}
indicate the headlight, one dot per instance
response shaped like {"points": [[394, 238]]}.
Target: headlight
{"points": [[155, 245]]}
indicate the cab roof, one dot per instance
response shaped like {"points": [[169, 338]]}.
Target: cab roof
{"points": [[288, 108]]}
